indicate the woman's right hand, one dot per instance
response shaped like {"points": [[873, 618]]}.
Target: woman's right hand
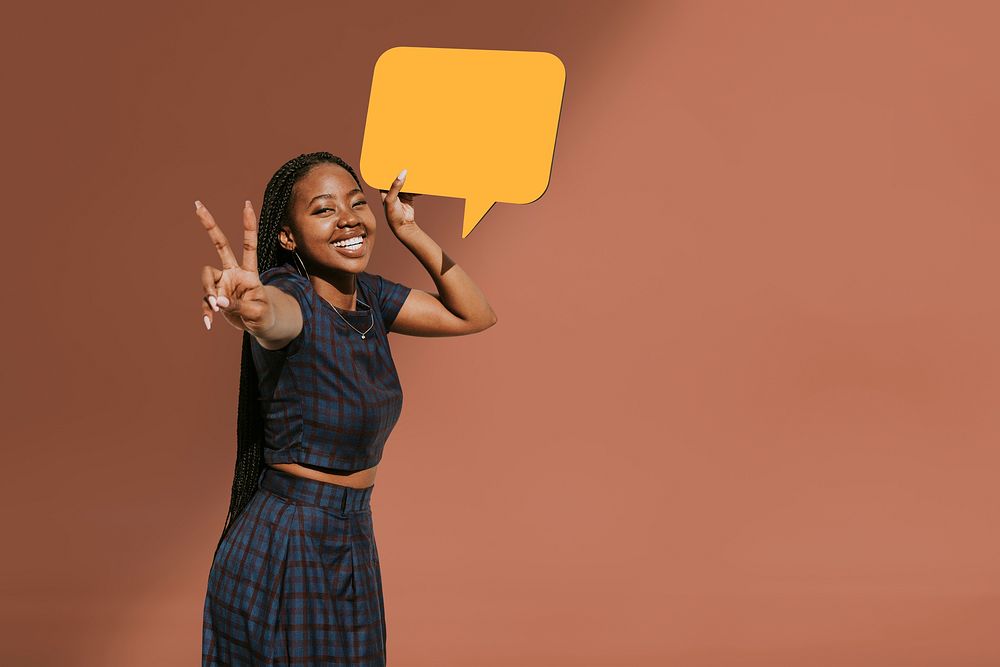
{"points": [[235, 290]]}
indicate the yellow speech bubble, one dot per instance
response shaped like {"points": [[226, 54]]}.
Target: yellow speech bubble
{"points": [[474, 124]]}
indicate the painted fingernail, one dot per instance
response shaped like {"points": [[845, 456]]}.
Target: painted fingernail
{"points": [[223, 301], [212, 302], [197, 204], [247, 204], [208, 323], [402, 175]]}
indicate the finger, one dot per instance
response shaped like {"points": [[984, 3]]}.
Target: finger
{"points": [[249, 238], [396, 186], [209, 283], [218, 238], [216, 288], [229, 304]]}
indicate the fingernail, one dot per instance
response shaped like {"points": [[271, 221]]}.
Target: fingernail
{"points": [[223, 301], [208, 323], [197, 204], [212, 302], [402, 174], [247, 204]]}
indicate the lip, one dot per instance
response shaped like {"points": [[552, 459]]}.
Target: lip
{"points": [[356, 252]]}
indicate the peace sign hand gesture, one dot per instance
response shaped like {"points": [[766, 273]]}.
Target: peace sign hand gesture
{"points": [[236, 290]]}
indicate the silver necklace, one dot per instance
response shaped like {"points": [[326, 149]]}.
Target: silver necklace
{"points": [[371, 313]]}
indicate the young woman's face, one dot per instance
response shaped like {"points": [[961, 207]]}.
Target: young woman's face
{"points": [[327, 208]]}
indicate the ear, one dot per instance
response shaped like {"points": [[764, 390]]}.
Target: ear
{"points": [[285, 239]]}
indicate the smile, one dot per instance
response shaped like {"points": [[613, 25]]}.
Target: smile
{"points": [[350, 247]]}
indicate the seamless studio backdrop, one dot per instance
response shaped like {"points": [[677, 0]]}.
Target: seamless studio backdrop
{"points": [[740, 406]]}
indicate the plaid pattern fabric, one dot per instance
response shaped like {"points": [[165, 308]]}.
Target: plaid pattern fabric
{"points": [[329, 397], [297, 580]]}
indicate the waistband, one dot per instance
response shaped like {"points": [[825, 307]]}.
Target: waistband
{"points": [[336, 497]]}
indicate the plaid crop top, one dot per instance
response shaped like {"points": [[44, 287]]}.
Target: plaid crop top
{"points": [[330, 398]]}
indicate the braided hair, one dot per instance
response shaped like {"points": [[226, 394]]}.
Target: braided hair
{"points": [[274, 215]]}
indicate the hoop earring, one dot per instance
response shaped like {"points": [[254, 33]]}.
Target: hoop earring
{"points": [[303, 265]]}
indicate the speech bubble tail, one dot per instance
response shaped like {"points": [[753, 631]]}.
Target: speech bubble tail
{"points": [[474, 212]]}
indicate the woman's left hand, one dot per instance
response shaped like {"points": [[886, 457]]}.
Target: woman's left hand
{"points": [[399, 206]]}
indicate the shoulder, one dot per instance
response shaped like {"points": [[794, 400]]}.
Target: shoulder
{"points": [[380, 285], [290, 281], [366, 279], [281, 272], [287, 278], [389, 296]]}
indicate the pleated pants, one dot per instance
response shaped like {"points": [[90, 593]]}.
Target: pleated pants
{"points": [[296, 581]]}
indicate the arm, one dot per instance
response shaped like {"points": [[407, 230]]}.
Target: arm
{"points": [[286, 323], [272, 316], [457, 309]]}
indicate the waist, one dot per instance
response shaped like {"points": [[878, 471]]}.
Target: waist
{"points": [[309, 491], [357, 479]]}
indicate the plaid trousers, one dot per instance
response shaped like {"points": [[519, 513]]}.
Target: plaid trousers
{"points": [[296, 581]]}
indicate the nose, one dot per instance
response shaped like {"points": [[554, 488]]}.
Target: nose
{"points": [[350, 219]]}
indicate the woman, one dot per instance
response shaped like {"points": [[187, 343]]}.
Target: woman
{"points": [[296, 577]]}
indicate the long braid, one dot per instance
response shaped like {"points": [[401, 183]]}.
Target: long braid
{"points": [[249, 421]]}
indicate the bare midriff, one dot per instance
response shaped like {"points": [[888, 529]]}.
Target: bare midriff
{"points": [[359, 479]]}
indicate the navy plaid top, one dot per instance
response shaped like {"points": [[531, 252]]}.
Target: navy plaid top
{"points": [[330, 398]]}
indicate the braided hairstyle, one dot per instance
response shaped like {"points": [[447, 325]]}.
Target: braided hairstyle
{"points": [[274, 215]]}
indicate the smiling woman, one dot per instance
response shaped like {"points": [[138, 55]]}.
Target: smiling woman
{"points": [[296, 577]]}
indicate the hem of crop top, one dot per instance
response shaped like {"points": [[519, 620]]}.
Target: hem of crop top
{"points": [[288, 456]]}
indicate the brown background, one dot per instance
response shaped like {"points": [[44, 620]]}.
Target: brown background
{"points": [[740, 407]]}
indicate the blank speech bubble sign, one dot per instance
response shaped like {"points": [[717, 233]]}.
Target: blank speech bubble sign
{"points": [[469, 123]]}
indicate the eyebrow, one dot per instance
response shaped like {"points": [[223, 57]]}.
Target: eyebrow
{"points": [[349, 194]]}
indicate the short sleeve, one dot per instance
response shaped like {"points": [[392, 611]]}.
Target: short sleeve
{"points": [[391, 297], [289, 281]]}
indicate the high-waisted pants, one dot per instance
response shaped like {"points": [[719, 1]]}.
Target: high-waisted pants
{"points": [[296, 581]]}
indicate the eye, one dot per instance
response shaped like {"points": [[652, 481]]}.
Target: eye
{"points": [[323, 210]]}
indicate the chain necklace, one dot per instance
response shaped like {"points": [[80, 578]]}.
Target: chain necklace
{"points": [[371, 313]]}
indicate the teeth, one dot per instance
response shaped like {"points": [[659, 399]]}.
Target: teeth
{"points": [[357, 240]]}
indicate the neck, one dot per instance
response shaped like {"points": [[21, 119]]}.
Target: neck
{"points": [[339, 289]]}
